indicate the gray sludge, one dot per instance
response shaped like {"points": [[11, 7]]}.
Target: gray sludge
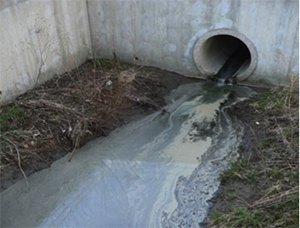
{"points": [[160, 171]]}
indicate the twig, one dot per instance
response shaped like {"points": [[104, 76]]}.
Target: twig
{"points": [[284, 138], [293, 79], [53, 105], [257, 142], [261, 202], [19, 161], [72, 153], [245, 202], [78, 133]]}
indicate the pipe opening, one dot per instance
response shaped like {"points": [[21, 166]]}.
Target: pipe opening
{"points": [[213, 49]]}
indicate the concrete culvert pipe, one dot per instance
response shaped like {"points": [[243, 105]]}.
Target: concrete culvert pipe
{"points": [[213, 49]]}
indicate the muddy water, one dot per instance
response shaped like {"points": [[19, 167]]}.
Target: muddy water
{"points": [[160, 171]]}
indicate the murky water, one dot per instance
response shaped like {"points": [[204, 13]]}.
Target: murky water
{"points": [[160, 171]]}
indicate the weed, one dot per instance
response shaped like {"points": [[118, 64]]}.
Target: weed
{"points": [[275, 99], [278, 159], [293, 80], [97, 63], [230, 196], [261, 145], [110, 64], [279, 215], [274, 171], [10, 116], [120, 65], [117, 60], [236, 170], [252, 175], [103, 63], [292, 175]]}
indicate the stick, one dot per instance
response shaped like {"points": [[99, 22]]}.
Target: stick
{"points": [[270, 199], [19, 162]]}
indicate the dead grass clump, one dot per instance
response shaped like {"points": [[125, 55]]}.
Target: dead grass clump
{"points": [[69, 109]]}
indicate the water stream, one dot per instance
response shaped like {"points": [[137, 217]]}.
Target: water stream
{"points": [[160, 171]]}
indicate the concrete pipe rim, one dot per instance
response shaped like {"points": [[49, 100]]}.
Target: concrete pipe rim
{"points": [[199, 52]]}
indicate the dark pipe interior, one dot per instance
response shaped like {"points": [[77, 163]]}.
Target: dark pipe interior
{"points": [[232, 64], [226, 55]]}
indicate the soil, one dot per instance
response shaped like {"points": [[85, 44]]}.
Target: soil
{"points": [[264, 147], [243, 190], [145, 96]]}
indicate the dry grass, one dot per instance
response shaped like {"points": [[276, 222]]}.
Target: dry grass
{"points": [[275, 172], [67, 110]]}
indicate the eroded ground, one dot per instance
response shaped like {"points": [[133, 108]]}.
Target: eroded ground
{"points": [[261, 189], [59, 116]]}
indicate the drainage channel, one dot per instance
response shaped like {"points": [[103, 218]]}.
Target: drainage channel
{"points": [[160, 171]]}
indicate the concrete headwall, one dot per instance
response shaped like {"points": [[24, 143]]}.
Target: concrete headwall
{"points": [[39, 39], [165, 34]]}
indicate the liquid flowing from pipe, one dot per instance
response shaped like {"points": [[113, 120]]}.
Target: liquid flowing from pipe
{"points": [[160, 171]]}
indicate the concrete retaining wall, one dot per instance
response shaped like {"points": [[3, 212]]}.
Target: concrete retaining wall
{"points": [[164, 33], [42, 38], [38, 40]]}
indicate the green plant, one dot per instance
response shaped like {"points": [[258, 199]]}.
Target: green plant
{"points": [[273, 100], [261, 145], [277, 158], [11, 114], [108, 64], [120, 65], [230, 196], [292, 174], [98, 62], [279, 215], [251, 175], [117, 60], [274, 171], [235, 170]]}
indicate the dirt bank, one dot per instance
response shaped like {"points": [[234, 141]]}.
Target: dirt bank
{"points": [[61, 115], [261, 189]]}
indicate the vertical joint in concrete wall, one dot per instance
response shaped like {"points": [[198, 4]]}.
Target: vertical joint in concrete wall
{"points": [[213, 49], [91, 53]]}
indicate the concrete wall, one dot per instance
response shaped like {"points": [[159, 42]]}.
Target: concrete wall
{"points": [[42, 38], [38, 40], [164, 33]]}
